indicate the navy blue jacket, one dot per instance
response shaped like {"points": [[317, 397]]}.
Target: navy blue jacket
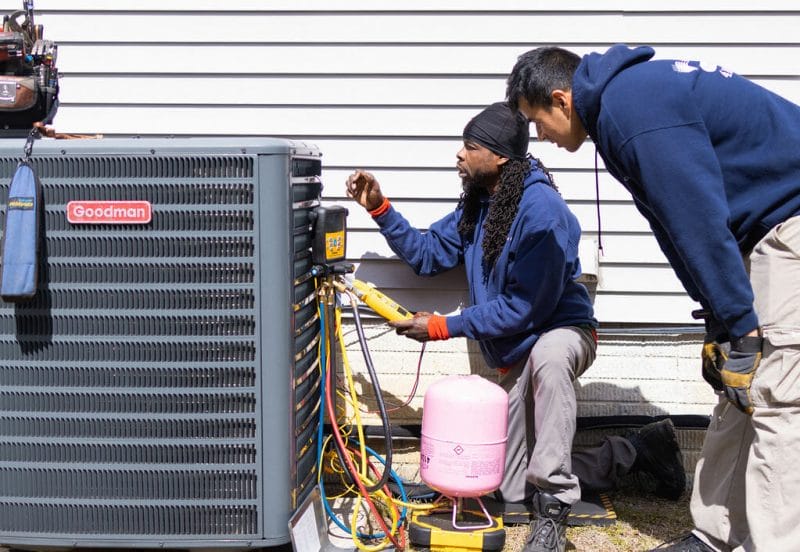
{"points": [[712, 161], [532, 287]]}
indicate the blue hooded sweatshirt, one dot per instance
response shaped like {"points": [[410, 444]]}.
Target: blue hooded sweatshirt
{"points": [[532, 287], [712, 161]]}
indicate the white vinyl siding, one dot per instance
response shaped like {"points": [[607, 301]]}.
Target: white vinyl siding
{"points": [[388, 86]]}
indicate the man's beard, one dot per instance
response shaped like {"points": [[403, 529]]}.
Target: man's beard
{"points": [[481, 180]]}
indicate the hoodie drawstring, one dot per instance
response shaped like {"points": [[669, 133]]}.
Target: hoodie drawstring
{"points": [[597, 202]]}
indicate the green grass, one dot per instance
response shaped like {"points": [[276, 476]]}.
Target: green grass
{"points": [[643, 522]]}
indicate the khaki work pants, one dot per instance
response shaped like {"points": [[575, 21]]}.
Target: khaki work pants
{"points": [[746, 493]]}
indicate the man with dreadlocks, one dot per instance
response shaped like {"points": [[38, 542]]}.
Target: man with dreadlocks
{"points": [[533, 320]]}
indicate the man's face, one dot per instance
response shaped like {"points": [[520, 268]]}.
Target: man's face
{"points": [[478, 166], [557, 123]]}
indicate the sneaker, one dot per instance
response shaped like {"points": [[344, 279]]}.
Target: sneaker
{"points": [[689, 543], [549, 528], [658, 455]]}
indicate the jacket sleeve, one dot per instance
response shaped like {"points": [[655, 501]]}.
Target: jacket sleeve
{"points": [[534, 286], [427, 253], [675, 260], [678, 170]]}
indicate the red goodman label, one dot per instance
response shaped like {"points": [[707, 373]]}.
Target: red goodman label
{"points": [[109, 212]]}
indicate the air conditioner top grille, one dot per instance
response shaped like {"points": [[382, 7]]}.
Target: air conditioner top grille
{"points": [[162, 191], [140, 167]]}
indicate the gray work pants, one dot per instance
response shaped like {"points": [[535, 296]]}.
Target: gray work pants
{"points": [[747, 479], [542, 414]]}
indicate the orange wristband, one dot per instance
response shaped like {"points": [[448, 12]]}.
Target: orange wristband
{"points": [[381, 209], [437, 328]]}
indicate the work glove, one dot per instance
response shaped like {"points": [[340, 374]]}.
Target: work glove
{"points": [[713, 357], [738, 370], [715, 348]]}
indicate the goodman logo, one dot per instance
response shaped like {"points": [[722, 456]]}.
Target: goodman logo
{"points": [[109, 212]]}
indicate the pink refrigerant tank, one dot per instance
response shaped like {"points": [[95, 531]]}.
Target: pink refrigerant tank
{"points": [[464, 433]]}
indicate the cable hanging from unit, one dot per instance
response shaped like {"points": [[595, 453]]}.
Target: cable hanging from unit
{"points": [[344, 453]]}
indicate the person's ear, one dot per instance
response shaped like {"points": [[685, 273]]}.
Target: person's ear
{"points": [[500, 161], [562, 100]]}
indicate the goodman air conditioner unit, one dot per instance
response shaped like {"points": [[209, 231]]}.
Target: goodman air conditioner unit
{"points": [[162, 389]]}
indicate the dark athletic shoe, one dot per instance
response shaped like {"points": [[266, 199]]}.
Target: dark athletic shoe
{"points": [[549, 528]]}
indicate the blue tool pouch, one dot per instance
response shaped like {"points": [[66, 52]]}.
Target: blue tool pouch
{"points": [[21, 236]]}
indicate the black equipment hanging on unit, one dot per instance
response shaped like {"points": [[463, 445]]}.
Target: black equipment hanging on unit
{"points": [[28, 73]]}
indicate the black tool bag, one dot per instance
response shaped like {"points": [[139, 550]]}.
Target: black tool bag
{"points": [[28, 73]]}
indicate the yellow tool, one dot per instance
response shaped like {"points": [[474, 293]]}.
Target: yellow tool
{"points": [[434, 531], [375, 299]]}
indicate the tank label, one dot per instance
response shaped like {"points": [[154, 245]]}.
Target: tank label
{"points": [[109, 212], [469, 461]]}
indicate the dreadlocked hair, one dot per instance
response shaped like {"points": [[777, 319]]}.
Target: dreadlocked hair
{"points": [[502, 210]]}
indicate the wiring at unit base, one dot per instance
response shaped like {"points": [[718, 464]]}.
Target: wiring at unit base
{"points": [[363, 474]]}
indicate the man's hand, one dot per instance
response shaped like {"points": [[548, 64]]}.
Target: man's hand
{"points": [[364, 188], [738, 371], [716, 347], [414, 328]]}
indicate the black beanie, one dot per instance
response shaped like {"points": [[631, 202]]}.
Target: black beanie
{"points": [[500, 129]]}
